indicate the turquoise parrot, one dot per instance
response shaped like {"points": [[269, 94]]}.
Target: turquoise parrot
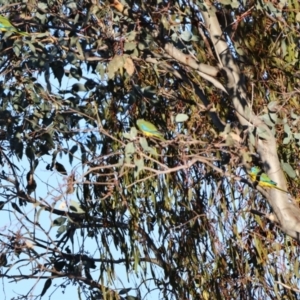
{"points": [[5, 25], [149, 129], [263, 179]]}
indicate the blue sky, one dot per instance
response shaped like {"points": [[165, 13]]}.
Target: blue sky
{"points": [[50, 187]]}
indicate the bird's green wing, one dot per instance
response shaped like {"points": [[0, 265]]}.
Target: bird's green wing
{"points": [[266, 179], [263, 179], [5, 25], [149, 129]]}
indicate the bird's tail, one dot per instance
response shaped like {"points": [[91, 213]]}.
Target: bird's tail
{"points": [[278, 188]]}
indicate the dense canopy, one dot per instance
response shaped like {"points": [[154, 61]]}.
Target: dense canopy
{"points": [[85, 191]]}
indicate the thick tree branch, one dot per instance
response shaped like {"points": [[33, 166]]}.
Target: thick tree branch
{"points": [[288, 214]]}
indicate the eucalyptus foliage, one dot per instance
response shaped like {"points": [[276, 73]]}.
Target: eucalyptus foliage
{"points": [[180, 215]]}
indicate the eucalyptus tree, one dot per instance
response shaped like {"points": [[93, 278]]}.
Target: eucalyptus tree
{"points": [[87, 192]]}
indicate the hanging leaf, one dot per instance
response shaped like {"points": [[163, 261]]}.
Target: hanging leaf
{"points": [[59, 221], [288, 169], [60, 168], [262, 132], [71, 153], [58, 70], [70, 184], [147, 148], [31, 183], [287, 131], [139, 164], [129, 149], [114, 65], [46, 286], [3, 260], [29, 152], [76, 207], [129, 66], [181, 118], [76, 72], [269, 119], [60, 230], [124, 291], [16, 207], [131, 135], [58, 266], [2, 203], [78, 87]]}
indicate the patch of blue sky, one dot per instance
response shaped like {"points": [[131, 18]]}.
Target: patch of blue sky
{"points": [[51, 187]]}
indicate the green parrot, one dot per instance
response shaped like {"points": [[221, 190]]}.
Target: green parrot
{"points": [[149, 129], [5, 25], [263, 179]]}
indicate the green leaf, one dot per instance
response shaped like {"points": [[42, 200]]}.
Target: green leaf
{"points": [[2, 203], [114, 65], [129, 149], [124, 291], [262, 132], [78, 87], [83, 154], [252, 139], [31, 47], [59, 221], [288, 132], [232, 3], [139, 163], [3, 260], [43, 7], [286, 140], [297, 137], [59, 265], [145, 146], [60, 168], [131, 36], [294, 116], [288, 169], [17, 47], [76, 207], [29, 152], [269, 119], [76, 73], [71, 153], [150, 92], [61, 230], [57, 68], [46, 286], [273, 106], [129, 46], [16, 207], [186, 36], [181, 118], [131, 135], [17, 146], [48, 138]]}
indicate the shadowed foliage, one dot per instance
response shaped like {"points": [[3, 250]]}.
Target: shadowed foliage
{"points": [[84, 192]]}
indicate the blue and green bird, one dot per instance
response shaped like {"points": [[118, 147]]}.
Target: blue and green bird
{"points": [[5, 25], [149, 129], [263, 179]]}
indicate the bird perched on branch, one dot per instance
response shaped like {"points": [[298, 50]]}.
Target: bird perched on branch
{"points": [[149, 129], [5, 25], [263, 179]]}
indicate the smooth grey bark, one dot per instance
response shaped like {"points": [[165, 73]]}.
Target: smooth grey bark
{"points": [[286, 212]]}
